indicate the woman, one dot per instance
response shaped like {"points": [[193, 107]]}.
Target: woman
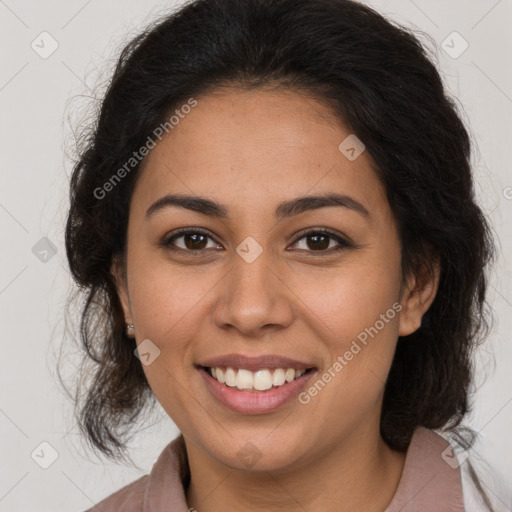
{"points": [[275, 224]]}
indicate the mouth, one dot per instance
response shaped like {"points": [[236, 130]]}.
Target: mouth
{"points": [[255, 385], [259, 381]]}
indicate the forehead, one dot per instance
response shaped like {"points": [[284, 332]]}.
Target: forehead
{"points": [[254, 149]]}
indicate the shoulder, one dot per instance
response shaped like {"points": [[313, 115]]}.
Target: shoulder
{"points": [[485, 487], [430, 475], [163, 486], [129, 498]]}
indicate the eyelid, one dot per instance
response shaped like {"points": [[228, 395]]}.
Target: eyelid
{"points": [[343, 241], [166, 241], [322, 231]]}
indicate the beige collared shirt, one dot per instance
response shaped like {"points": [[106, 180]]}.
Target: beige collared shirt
{"points": [[430, 481]]}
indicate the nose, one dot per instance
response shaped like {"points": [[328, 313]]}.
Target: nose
{"points": [[253, 298]]}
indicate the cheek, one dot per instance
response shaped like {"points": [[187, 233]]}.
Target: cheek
{"points": [[167, 305], [166, 298], [350, 297], [354, 310]]}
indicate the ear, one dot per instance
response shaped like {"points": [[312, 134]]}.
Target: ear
{"points": [[118, 271], [418, 294]]}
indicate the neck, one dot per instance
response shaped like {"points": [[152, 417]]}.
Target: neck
{"points": [[359, 473]]}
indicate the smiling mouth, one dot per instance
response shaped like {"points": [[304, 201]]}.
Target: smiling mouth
{"points": [[256, 381]]}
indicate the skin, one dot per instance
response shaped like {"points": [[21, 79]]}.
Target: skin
{"points": [[251, 150]]}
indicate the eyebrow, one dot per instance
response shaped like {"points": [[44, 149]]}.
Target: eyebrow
{"points": [[284, 210]]}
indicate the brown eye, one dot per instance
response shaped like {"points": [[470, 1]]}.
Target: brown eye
{"points": [[190, 241], [320, 241], [194, 241]]}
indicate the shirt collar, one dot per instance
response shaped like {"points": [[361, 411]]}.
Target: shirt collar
{"points": [[430, 478], [165, 489]]}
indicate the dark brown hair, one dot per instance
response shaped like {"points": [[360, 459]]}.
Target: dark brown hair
{"points": [[378, 78]]}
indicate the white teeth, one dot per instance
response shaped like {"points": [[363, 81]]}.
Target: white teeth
{"points": [[244, 379], [230, 377], [220, 376], [289, 375], [278, 377], [260, 380]]}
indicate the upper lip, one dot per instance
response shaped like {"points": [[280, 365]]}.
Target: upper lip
{"points": [[268, 361]]}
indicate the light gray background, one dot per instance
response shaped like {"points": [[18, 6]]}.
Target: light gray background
{"points": [[38, 95]]}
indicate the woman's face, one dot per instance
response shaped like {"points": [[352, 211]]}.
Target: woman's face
{"points": [[265, 281]]}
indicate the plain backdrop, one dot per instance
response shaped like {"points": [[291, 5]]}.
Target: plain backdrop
{"points": [[40, 93]]}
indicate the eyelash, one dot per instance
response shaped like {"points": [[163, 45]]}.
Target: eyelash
{"points": [[343, 244]]}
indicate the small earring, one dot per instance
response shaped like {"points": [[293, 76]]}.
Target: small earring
{"points": [[130, 330]]}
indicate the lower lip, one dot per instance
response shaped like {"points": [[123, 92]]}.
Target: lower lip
{"points": [[254, 402]]}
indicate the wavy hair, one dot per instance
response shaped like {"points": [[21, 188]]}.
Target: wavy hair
{"points": [[380, 80]]}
